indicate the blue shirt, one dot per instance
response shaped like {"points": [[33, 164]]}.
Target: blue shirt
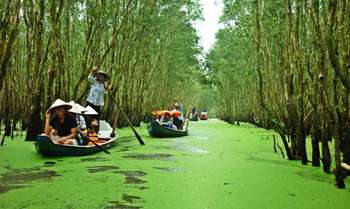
{"points": [[96, 92]]}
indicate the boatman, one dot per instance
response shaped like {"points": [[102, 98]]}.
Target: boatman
{"points": [[179, 121], [95, 100]]}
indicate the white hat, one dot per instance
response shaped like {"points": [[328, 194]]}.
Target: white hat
{"points": [[104, 73], [59, 103], [90, 111], [76, 108], [81, 108]]}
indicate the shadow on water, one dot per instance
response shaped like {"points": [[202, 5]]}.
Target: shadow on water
{"points": [[126, 203], [319, 177], [283, 162], [131, 198], [20, 178], [119, 205], [102, 168], [94, 159], [138, 156], [131, 177], [49, 163]]}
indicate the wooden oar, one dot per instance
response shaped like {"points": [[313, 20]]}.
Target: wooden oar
{"points": [[92, 141], [125, 116]]}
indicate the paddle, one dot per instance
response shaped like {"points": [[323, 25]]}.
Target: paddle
{"points": [[124, 114], [92, 141]]}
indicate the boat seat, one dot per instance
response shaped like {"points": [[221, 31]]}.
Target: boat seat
{"points": [[105, 130]]}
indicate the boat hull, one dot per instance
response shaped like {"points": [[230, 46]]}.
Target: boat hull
{"points": [[156, 130], [45, 146]]}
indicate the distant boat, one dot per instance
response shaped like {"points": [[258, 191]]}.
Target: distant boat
{"points": [[156, 130], [204, 116]]}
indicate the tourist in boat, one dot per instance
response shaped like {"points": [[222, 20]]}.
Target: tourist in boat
{"points": [[77, 111], [157, 115], [90, 119], [61, 126], [167, 121], [92, 125], [98, 80], [176, 119]]}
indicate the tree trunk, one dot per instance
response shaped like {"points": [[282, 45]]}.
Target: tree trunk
{"points": [[315, 147]]}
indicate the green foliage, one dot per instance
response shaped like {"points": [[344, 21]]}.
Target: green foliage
{"points": [[150, 49]]}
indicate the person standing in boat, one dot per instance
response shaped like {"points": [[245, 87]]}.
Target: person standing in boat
{"points": [[178, 121], [95, 99], [193, 111], [60, 125]]}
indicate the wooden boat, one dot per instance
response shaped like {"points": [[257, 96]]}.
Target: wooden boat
{"points": [[204, 116], [156, 130], [45, 146]]}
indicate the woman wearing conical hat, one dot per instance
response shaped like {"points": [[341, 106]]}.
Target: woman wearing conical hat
{"points": [[60, 126]]}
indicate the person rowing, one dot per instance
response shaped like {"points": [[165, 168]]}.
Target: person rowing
{"points": [[179, 118], [95, 98]]}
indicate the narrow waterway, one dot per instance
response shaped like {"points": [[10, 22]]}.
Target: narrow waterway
{"points": [[218, 166]]}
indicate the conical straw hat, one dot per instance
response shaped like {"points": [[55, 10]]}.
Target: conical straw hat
{"points": [[76, 108], [81, 108], [101, 72], [59, 103], [90, 111]]}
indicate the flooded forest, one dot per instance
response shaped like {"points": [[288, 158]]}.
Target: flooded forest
{"points": [[264, 108]]}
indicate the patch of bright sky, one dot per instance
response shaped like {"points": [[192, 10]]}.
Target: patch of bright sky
{"points": [[212, 10]]}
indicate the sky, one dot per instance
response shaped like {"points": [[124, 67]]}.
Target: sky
{"points": [[212, 10]]}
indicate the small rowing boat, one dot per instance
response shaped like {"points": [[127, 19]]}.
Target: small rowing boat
{"points": [[156, 130], [45, 146]]}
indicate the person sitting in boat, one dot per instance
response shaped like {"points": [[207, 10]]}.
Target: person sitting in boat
{"points": [[92, 124], [77, 111], [157, 115], [176, 119], [61, 126], [90, 118], [167, 121]]}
